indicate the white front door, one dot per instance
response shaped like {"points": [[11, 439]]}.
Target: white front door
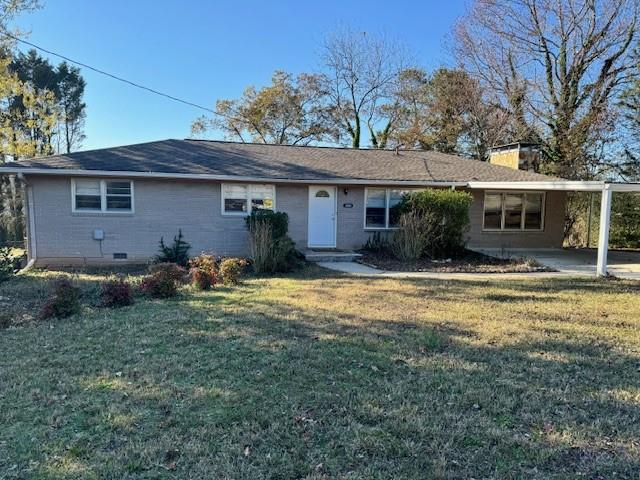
{"points": [[322, 217]]}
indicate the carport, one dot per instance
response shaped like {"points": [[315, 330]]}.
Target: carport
{"points": [[606, 190]]}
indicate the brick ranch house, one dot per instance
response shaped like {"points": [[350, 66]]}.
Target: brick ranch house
{"points": [[113, 205]]}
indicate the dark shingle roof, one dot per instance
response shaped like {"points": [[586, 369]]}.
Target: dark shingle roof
{"points": [[282, 162]]}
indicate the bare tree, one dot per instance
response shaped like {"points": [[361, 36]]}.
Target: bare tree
{"points": [[554, 66], [361, 76]]}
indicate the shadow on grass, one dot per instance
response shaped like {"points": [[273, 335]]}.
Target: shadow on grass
{"points": [[245, 385]]}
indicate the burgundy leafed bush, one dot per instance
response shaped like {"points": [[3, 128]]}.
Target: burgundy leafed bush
{"points": [[116, 293], [177, 273], [203, 271], [63, 302], [231, 269]]}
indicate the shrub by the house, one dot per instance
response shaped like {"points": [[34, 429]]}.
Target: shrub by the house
{"points": [[377, 242], [163, 280], [116, 293], [444, 215], [231, 269], [64, 300], [177, 252], [409, 241], [271, 249], [203, 270], [177, 273], [7, 264]]}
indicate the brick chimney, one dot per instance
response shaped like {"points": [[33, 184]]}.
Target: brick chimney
{"points": [[519, 156]]}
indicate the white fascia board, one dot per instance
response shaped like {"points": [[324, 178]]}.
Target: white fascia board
{"points": [[222, 178], [623, 187], [566, 185]]}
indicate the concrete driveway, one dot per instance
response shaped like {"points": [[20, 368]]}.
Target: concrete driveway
{"points": [[623, 264]]}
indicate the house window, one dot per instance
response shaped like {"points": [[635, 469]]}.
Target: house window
{"points": [[241, 199], [381, 206], [88, 195], [118, 195], [513, 211], [93, 195]]}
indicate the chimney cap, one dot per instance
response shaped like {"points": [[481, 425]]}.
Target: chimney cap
{"points": [[509, 146]]}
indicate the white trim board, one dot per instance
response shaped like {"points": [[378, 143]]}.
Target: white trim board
{"points": [[564, 185], [230, 178], [32, 248]]}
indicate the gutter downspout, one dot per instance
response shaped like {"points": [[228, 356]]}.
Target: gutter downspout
{"points": [[31, 222]]}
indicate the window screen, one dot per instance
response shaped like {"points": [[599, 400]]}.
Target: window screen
{"points": [[118, 195], [513, 211], [533, 211], [493, 211], [375, 216], [235, 198], [88, 195], [242, 198]]}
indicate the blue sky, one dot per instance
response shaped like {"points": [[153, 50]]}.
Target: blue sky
{"points": [[203, 50]]}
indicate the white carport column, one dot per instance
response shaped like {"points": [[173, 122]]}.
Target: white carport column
{"points": [[603, 239]]}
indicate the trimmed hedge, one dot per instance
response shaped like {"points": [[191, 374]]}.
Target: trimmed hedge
{"points": [[445, 214], [278, 221]]}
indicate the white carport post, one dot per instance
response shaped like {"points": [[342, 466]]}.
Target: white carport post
{"points": [[603, 239]]}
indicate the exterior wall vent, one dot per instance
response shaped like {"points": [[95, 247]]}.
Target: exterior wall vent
{"points": [[119, 256]]}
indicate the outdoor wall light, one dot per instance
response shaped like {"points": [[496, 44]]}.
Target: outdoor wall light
{"points": [[346, 191]]}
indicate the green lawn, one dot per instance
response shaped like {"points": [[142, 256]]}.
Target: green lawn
{"points": [[323, 376]]}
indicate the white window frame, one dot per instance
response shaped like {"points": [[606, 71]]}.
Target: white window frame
{"points": [[248, 198], [387, 198], [522, 228], [103, 197]]}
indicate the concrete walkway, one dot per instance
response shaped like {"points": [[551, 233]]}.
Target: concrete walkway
{"points": [[579, 261], [568, 262], [360, 270]]}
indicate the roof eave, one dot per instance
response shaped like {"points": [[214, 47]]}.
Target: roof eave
{"points": [[217, 177], [561, 185]]}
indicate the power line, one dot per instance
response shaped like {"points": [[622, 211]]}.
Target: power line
{"points": [[102, 72]]}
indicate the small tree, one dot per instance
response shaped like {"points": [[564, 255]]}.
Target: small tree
{"points": [[177, 253]]}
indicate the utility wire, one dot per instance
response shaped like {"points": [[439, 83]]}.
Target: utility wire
{"points": [[102, 72]]}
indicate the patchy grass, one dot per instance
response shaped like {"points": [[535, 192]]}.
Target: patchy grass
{"points": [[324, 376]]}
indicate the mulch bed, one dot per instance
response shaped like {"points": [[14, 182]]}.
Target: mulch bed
{"points": [[467, 262]]}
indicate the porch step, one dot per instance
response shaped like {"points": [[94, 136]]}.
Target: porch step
{"points": [[330, 256]]}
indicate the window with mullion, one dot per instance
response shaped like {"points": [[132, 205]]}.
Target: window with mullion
{"points": [[241, 199], [93, 195], [381, 206], [513, 211]]}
